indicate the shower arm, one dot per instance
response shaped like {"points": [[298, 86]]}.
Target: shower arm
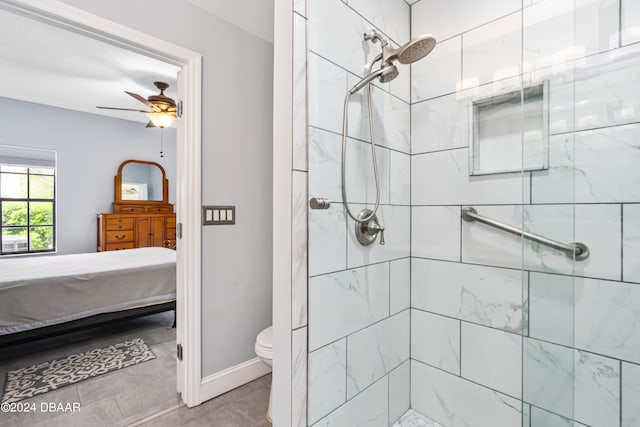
{"points": [[345, 120]]}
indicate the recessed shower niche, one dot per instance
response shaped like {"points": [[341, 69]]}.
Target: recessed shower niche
{"points": [[510, 131]]}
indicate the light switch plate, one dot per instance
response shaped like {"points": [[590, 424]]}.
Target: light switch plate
{"points": [[218, 215]]}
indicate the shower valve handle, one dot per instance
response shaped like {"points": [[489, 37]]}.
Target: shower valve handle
{"points": [[368, 227], [373, 228]]}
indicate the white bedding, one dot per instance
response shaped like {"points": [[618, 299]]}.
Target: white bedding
{"points": [[47, 290]]}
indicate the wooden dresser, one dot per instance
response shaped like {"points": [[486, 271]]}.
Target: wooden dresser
{"points": [[138, 223], [138, 230]]}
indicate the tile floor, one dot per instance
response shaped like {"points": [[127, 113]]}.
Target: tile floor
{"points": [[415, 419], [124, 397], [243, 407]]}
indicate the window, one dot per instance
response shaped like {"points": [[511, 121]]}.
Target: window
{"points": [[27, 203]]}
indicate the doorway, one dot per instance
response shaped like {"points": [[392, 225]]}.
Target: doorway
{"points": [[187, 182]]}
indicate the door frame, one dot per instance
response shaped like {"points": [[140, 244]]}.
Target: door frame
{"points": [[283, 256], [188, 172]]}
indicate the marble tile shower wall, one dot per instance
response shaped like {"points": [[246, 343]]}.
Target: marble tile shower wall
{"points": [[358, 297], [563, 337], [299, 229]]}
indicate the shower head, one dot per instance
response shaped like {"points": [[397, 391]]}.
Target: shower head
{"points": [[412, 51], [415, 49]]}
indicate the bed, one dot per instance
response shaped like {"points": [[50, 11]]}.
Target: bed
{"points": [[48, 295]]}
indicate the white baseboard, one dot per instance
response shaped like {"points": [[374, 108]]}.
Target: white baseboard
{"points": [[223, 381]]}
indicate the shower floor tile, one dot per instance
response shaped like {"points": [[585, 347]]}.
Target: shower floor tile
{"points": [[415, 419]]}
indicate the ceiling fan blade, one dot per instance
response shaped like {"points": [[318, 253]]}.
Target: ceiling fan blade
{"points": [[150, 124], [144, 101], [124, 109]]}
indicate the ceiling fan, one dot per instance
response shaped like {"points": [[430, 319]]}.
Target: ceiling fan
{"points": [[162, 108]]}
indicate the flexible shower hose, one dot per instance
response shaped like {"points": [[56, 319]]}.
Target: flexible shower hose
{"points": [[345, 115]]}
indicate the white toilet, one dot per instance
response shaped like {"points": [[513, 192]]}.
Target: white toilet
{"points": [[264, 350]]}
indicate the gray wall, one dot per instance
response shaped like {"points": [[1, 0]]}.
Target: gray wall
{"points": [[89, 150], [237, 166]]}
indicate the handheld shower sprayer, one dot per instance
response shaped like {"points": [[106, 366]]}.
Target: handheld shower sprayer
{"points": [[367, 225], [385, 75]]}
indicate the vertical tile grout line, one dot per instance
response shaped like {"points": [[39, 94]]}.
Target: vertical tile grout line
{"points": [[388, 399], [622, 242], [619, 23], [620, 396], [346, 369], [460, 349], [389, 302], [528, 305], [344, 202], [461, 228], [461, 58]]}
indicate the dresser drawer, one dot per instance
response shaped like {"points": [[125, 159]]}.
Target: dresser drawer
{"points": [[159, 209], [112, 224], [171, 222], [119, 246], [131, 209], [171, 233], [119, 236]]}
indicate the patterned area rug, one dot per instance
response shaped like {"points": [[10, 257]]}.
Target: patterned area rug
{"points": [[38, 379]]}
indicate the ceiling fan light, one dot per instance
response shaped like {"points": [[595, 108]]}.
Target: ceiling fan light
{"points": [[161, 120]]}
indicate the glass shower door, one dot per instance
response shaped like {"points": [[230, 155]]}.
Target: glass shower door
{"points": [[580, 347], [549, 210], [548, 355], [358, 294]]}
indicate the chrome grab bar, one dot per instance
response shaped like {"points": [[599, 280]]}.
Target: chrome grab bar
{"points": [[578, 250]]}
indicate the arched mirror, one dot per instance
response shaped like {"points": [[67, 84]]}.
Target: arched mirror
{"points": [[140, 185]]}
